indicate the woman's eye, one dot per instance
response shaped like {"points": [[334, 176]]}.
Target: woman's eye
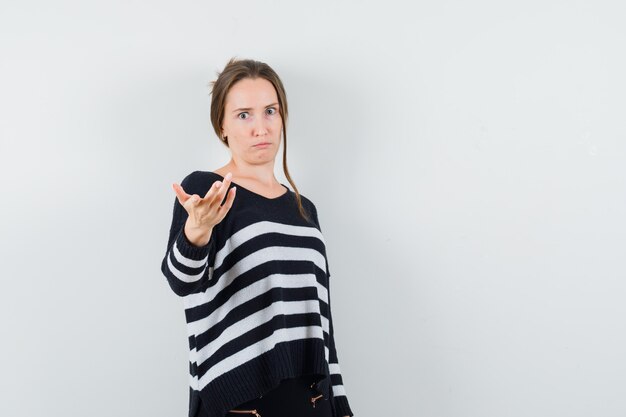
{"points": [[271, 110]]}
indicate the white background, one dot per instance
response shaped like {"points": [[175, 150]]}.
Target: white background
{"points": [[466, 159]]}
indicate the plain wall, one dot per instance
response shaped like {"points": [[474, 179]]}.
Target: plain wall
{"points": [[466, 159]]}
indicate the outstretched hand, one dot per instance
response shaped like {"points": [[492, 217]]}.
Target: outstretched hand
{"points": [[205, 212]]}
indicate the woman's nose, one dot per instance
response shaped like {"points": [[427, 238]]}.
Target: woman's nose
{"points": [[260, 126]]}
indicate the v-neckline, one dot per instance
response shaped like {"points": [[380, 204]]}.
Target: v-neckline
{"points": [[257, 194]]}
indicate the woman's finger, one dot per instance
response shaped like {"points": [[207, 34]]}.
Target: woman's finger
{"points": [[223, 210], [180, 193], [211, 191], [192, 201], [221, 192]]}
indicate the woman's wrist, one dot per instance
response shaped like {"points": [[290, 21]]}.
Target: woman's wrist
{"points": [[196, 236]]}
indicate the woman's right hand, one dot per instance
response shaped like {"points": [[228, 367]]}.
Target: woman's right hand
{"points": [[205, 212]]}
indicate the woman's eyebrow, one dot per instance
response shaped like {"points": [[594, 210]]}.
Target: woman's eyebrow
{"points": [[250, 108]]}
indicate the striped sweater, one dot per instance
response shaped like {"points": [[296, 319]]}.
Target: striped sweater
{"points": [[256, 300]]}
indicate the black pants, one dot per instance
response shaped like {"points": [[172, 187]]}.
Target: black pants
{"points": [[293, 397]]}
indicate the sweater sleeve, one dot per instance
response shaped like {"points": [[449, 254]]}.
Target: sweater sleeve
{"points": [[339, 393], [187, 267], [342, 405]]}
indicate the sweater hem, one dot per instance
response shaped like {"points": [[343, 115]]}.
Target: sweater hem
{"points": [[260, 375]]}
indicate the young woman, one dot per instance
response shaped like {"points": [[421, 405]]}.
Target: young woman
{"points": [[248, 258]]}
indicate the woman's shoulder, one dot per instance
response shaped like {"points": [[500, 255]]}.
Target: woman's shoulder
{"points": [[200, 175], [199, 181], [309, 206]]}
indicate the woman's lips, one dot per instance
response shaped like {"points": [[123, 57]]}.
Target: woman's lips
{"points": [[262, 145]]}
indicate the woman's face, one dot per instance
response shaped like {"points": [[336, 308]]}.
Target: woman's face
{"points": [[251, 117]]}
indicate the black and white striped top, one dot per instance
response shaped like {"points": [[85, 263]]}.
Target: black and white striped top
{"points": [[256, 300]]}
